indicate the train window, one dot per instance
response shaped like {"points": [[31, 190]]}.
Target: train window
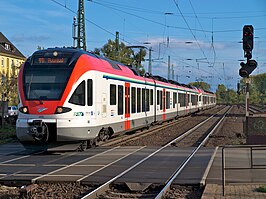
{"points": [[174, 99], [151, 97], [204, 99], [133, 100], [161, 97], [182, 99], [120, 99], [158, 97], [194, 99], [143, 100], [147, 100], [167, 100], [78, 97], [90, 93], [112, 94], [138, 100]]}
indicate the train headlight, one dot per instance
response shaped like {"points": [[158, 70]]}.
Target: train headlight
{"points": [[24, 109], [61, 109]]}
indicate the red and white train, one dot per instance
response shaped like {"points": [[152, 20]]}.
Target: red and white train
{"points": [[68, 95]]}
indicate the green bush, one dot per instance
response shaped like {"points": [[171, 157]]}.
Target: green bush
{"points": [[262, 189]]}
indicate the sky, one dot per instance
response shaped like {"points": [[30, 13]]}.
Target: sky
{"points": [[202, 37]]}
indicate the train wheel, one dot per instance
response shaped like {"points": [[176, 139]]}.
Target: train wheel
{"points": [[104, 134], [83, 146]]}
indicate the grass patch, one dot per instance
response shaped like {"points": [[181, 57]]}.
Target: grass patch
{"points": [[8, 129], [7, 133], [262, 189]]}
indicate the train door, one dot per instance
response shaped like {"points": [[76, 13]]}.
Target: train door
{"points": [[164, 96], [127, 106], [104, 105]]}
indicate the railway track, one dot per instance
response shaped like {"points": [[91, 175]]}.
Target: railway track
{"points": [[126, 138], [113, 164], [104, 189]]}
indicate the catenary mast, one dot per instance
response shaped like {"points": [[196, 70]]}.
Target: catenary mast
{"points": [[81, 39]]}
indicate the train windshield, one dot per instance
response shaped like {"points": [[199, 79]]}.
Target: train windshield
{"points": [[45, 82]]}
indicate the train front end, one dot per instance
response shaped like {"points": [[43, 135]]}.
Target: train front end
{"points": [[42, 85]]}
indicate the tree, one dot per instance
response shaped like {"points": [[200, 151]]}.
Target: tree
{"points": [[40, 48], [258, 88], [202, 85], [221, 94], [123, 54]]}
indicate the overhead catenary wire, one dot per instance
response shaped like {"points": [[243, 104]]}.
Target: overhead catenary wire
{"points": [[74, 12]]}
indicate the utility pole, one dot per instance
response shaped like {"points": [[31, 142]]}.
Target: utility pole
{"points": [[74, 32], [173, 72], [117, 45], [168, 67], [150, 69], [81, 26]]}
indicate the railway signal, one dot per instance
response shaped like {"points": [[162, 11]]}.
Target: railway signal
{"points": [[247, 68], [248, 36]]}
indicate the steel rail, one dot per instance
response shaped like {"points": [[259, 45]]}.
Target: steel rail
{"points": [[135, 136], [185, 162], [103, 188]]}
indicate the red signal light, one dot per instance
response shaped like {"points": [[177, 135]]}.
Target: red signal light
{"points": [[248, 38]]}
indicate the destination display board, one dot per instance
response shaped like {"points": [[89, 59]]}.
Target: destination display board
{"points": [[50, 60]]}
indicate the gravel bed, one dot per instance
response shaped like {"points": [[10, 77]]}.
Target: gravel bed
{"points": [[231, 132], [45, 191]]}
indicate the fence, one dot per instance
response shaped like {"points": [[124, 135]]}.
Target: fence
{"points": [[252, 164]]}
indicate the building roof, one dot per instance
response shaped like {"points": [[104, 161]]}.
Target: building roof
{"points": [[8, 49]]}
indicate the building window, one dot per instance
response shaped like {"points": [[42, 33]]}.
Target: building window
{"points": [[7, 47], [3, 62]]}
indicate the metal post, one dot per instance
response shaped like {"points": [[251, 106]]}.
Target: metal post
{"points": [[2, 112], [173, 72], [74, 32], [150, 69], [247, 98], [81, 26], [223, 170], [117, 45], [251, 157], [168, 67]]}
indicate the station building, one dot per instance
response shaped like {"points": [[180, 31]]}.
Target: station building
{"points": [[10, 61]]}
